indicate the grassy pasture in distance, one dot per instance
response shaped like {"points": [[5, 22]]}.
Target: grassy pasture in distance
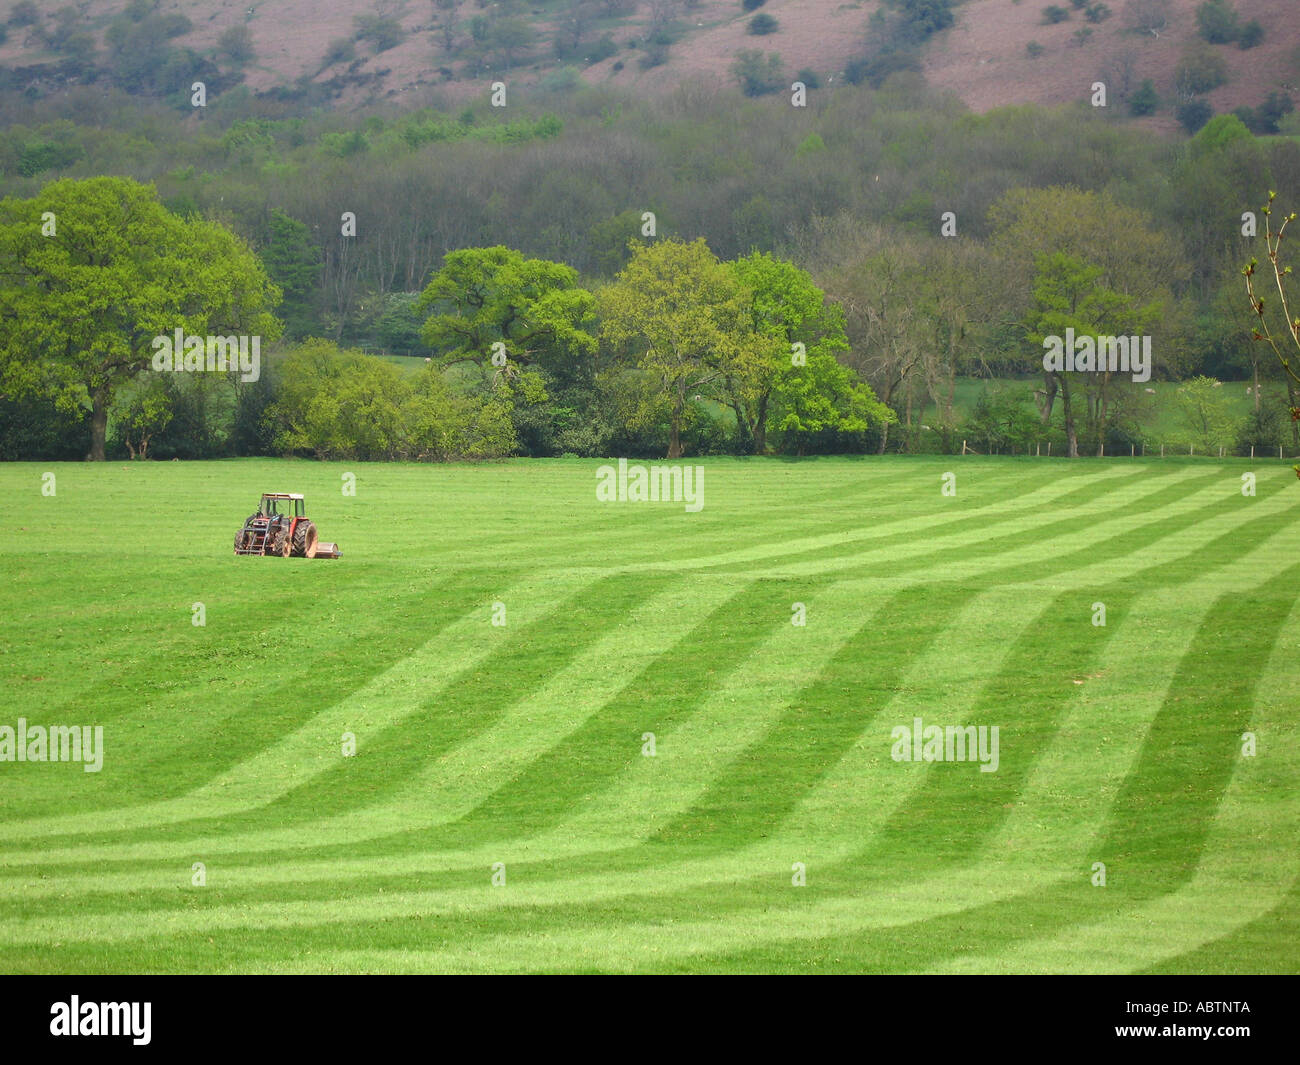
{"points": [[522, 744]]}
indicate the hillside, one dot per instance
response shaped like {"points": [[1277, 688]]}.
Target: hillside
{"points": [[651, 46]]}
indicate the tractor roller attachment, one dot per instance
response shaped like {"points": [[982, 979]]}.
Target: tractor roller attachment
{"points": [[281, 528]]}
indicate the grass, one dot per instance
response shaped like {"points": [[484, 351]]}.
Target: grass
{"points": [[522, 744]]}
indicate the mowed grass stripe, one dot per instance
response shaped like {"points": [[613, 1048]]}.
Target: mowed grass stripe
{"points": [[1243, 881], [690, 754], [761, 787], [830, 628], [1160, 820], [470, 703], [1042, 541], [667, 690], [172, 753], [1007, 506], [450, 785], [970, 522], [949, 514], [312, 748], [768, 501], [1017, 534]]}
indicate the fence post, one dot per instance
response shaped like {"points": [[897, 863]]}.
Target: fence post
{"points": [[1252, 451]]}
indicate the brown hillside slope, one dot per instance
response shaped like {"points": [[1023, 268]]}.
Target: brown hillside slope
{"points": [[982, 58]]}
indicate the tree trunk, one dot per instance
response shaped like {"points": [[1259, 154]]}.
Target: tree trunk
{"points": [[675, 425], [98, 425], [1071, 433], [760, 427], [1049, 399], [947, 412]]}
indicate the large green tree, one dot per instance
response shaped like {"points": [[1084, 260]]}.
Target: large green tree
{"points": [[1069, 295], [684, 317], [92, 271], [786, 309], [482, 296]]}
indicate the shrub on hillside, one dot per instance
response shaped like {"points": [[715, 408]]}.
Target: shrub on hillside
{"points": [[1144, 101], [383, 33], [1200, 70], [1216, 21], [756, 74], [762, 25], [1193, 114], [1055, 13], [1252, 33]]}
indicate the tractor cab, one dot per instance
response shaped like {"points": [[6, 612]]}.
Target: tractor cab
{"points": [[282, 505]]}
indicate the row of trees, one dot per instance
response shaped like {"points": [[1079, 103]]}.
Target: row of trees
{"points": [[663, 344], [96, 270]]}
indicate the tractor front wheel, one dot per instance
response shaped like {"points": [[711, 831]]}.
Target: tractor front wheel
{"points": [[279, 543]]}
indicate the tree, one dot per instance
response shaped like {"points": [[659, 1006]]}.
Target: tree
{"points": [[786, 309], [384, 32], [1269, 329], [24, 13], [147, 414], [509, 37], [683, 316], [884, 323], [1193, 114], [761, 25], [1004, 418], [293, 261], [1250, 34], [1069, 296], [1148, 16], [1205, 412], [823, 399], [79, 308], [535, 307]]}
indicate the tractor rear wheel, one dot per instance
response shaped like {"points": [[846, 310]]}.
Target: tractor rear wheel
{"points": [[304, 540]]}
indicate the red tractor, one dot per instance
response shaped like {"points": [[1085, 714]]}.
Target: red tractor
{"points": [[281, 527]]}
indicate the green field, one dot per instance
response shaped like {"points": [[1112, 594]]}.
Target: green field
{"points": [[522, 743]]}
